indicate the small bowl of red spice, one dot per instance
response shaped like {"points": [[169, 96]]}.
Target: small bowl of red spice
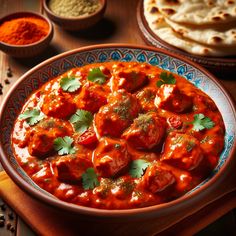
{"points": [[25, 34]]}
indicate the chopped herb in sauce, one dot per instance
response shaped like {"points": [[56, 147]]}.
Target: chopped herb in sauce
{"points": [[143, 121], [178, 139], [64, 145], [117, 146], [202, 122], [137, 194], [81, 120], [32, 116], [47, 124], [206, 139], [122, 109], [166, 78], [126, 186], [138, 168], [90, 179], [190, 146], [47, 180], [96, 75], [70, 84]]}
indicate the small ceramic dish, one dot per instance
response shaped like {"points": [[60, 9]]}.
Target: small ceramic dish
{"points": [[220, 65], [140, 221], [29, 50], [76, 23]]}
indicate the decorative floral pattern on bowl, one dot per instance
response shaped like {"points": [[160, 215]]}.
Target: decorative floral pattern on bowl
{"points": [[59, 64]]}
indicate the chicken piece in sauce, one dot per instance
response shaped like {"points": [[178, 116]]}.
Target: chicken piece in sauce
{"points": [[58, 104], [203, 103], [170, 98], [44, 177], [91, 97], [182, 151], [146, 99], [111, 157], [128, 79], [157, 178], [41, 138], [146, 131], [113, 118], [213, 141], [71, 167]]}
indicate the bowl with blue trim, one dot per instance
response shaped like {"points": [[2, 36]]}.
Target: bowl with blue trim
{"points": [[155, 218]]}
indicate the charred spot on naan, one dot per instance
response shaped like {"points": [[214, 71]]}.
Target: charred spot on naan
{"points": [[210, 3], [229, 2], [172, 2], [216, 18], [168, 11], [216, 39], [154, 10]]}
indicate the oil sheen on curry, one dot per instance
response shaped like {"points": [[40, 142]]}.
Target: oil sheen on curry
{"points": [[118, 135]]}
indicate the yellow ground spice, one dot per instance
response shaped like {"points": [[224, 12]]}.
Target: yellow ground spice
{"points": [[24, 30], [73, 8]]}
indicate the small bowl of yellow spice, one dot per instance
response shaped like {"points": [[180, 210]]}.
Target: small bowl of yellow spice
{"points": [[74, 15], [25, 34]]}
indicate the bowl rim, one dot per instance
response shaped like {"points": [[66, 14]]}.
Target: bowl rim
{"points": [[177, 203], [151, 38], [63, 18], [19, 14]]}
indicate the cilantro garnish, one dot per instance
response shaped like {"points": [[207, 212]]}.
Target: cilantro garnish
{"points": [[190, 146], [206, 139], [95, 75], [166, 78], [90, 179], [117, 146], [202, 122], [32, 116], [143, 121], [178, 139], [81, 120], [64, 145], [70, 84], [138, 167]]}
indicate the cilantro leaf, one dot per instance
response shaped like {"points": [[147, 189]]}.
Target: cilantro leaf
{"points": [[190, 146], [95, 75], [81, 120], [90, 179], [138, 167], [166, 78], [64, 145], [32, 116], [70, 84], [202, 122]]}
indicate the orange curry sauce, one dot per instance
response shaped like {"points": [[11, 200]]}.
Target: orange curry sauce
{"points": [[139, 145]]}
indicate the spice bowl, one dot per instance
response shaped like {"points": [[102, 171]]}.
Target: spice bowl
{"points": [[75, 23], [29, 47]]}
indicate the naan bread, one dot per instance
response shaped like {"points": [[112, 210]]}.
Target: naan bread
{"points": [[158, 25], [198, 11], [220, 35]]}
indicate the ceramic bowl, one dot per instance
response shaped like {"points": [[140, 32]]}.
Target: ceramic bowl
{"points": [[76, 23], [224, 66], [154, 215], [29, 50]]}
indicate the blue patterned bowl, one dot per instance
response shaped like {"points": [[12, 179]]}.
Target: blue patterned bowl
{"points": [[57, 65]]}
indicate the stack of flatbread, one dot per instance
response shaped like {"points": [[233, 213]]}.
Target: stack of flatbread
{"points": [[200, 27]]}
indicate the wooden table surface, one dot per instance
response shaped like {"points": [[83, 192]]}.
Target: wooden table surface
{"points": [[118, 26]]}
